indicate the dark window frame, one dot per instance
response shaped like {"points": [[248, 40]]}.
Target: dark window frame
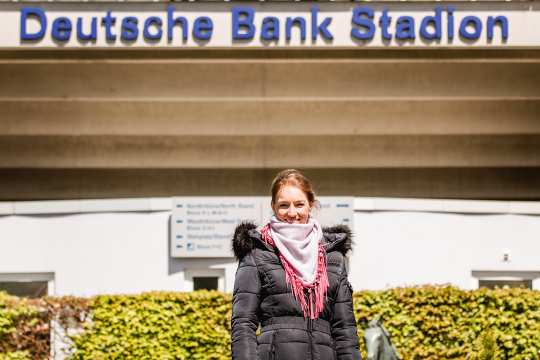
{"points": [[205, 282], [31, 285]]}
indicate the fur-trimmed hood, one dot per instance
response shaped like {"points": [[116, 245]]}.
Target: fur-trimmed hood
{"points": [[246, 237]]}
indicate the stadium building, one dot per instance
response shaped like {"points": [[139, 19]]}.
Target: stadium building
{"points": [[417, 121]]}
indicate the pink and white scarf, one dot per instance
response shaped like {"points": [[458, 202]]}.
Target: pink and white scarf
{"points": [[304, 259]]}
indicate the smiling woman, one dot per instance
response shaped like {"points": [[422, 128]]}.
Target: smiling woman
{"points": [[292, 280], [292, 197]]}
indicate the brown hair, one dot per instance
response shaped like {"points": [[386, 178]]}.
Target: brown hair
{"points": [[295, 178]]}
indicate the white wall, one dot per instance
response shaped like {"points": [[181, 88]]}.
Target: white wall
{"points": [[128, 252], [95, 253], [395, 248]]}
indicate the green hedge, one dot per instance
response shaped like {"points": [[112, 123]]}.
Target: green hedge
{"points": [[17, 318], [444, 322], [425, 323], [25, 331], [158, 326]]}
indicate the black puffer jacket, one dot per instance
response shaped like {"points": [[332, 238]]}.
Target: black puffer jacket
{"points": [[261, 295]]}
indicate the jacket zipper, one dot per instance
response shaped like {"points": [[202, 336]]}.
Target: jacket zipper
{"points": [[273, 346], [310, 335], [310, 329]]}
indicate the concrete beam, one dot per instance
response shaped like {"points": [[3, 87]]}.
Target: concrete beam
{"points": [[244, 117], [349, 151], [460, 183], [269, 79]]}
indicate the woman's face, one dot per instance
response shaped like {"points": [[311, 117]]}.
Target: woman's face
{"points": [[291, 205]]}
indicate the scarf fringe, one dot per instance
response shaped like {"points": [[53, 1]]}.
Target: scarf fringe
{"points": [[312, 303]]}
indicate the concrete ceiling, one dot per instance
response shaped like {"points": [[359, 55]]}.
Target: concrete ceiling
{"points": [[441, 124]]}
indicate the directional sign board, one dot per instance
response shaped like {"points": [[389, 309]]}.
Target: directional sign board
{"points": [[204, 226]]}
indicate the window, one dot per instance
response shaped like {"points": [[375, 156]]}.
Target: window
{"points": [[32, 289], [205, 282], [32, 285], [507, 279], [210, 279], [493, 284]]}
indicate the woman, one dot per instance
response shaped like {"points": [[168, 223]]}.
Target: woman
{"points": [[292, 280]]}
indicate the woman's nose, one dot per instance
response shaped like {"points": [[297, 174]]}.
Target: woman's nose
{"points": [[291, 212]]}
